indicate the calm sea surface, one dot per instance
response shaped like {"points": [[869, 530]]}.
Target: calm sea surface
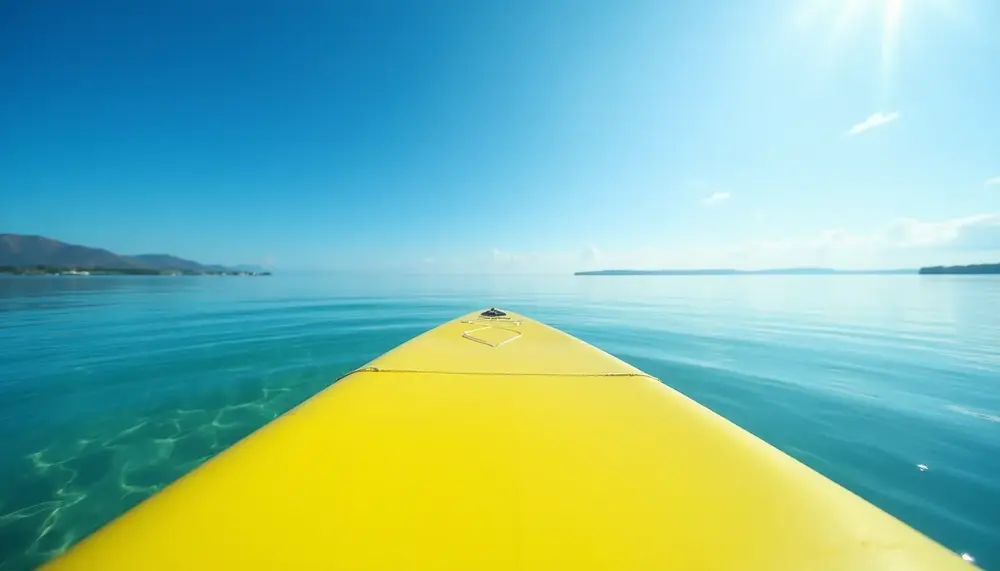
{"points": [[111, 388]]}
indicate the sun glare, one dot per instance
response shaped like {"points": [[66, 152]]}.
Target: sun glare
{"points": [[842, 20], [892, 11], [846, 16]]}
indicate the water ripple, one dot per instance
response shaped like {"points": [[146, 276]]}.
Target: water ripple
{"points": [[114, 387]]}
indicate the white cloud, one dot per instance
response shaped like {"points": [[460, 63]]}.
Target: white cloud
{"points": [[501, 257], [992, 181], [900, 243], [875, 120], [591, 255], [904, 242], [716, 198], [981, 231], [505, 259]]}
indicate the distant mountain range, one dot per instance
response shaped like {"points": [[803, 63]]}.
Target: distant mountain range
{"points": [[730, 272], [19, 251]]}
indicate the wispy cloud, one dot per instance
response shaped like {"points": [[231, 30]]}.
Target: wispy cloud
{"points": [[979, 231], [716, 198], [993, 181], [899, 243], [877, 119]]}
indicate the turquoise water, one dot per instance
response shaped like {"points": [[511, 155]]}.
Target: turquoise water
{"points": [[112, 387]]}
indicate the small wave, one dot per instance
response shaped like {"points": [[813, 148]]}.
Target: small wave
{"points": [[974, 413]]}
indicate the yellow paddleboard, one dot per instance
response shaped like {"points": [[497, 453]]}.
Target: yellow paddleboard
{"points": [[497, 442]]}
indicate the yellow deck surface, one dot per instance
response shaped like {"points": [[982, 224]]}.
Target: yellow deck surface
{"points": [[492, 444]]}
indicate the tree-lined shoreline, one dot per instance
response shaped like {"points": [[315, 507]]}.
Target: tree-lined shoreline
{"points": [[64, 271]]}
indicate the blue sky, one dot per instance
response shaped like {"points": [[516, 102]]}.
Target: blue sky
{"points": [[517, 136]]}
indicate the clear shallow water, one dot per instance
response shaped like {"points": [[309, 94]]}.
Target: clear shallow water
{"points": [[110, 388]]}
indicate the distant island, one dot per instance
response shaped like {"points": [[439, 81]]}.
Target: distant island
{"points": [[37, 255], [972, 269], [732, 272]]}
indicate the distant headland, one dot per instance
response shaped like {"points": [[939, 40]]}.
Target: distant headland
{"points": [[38, 255], [971, 269]]}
